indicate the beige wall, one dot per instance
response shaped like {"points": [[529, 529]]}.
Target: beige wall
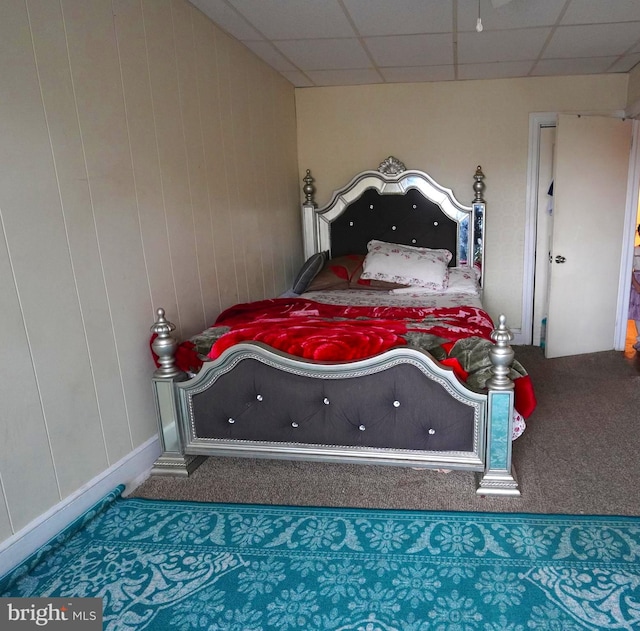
{"points": [[146, 160], [447, 129]]}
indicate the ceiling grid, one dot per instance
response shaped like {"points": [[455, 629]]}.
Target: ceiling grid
{"points": [[355, 42]]}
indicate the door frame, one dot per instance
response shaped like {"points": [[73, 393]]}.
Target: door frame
{"points": [[538, 120], [626, 256]]}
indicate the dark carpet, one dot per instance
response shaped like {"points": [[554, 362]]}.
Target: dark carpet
{"points": [[578, 455]]}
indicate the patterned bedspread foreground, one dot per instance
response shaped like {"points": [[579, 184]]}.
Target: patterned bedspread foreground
{"points": [[179, 565], [458, 336]]}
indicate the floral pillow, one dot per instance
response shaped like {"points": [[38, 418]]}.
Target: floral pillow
{"points": [[461, 280], [357, 282], [407, 265]]}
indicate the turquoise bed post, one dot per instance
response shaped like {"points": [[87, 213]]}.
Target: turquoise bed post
{"points": [[499, 476]]}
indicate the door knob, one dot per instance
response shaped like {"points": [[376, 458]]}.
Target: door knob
{"points": [[560, 259]]}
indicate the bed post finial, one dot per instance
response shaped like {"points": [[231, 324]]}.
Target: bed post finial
{"points": [[391, 166], [309, 189], [501, 356], [164, 346], [479, 185]]}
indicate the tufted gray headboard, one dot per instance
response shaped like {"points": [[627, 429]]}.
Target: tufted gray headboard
{"points": [[396, 205]]}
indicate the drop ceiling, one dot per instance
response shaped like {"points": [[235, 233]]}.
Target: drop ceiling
{"points": [[356, 42]]}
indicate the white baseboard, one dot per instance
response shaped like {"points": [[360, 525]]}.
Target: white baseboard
{"points": [[131, 471]]}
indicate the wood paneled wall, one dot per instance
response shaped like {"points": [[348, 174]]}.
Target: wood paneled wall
{"points": [[146, 160]]}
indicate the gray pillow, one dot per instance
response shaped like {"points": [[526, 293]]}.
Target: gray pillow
{"points": [[308, 272]]}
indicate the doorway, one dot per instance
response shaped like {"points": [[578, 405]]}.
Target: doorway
{"points": [[544, 232], [536, 250]]}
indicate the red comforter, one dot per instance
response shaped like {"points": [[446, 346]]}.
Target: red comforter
{"points": [[324, 332], [336, 333]]}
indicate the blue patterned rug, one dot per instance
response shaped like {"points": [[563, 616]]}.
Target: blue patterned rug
{"points": [[183, 565]]}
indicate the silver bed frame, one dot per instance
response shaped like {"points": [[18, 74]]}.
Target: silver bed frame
{"points": [[490, 456]]}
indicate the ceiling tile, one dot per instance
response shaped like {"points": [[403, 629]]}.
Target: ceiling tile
{"points": [[344, 77], [400, 17], [593, 40], [228, 19], [418, 74], [492, 46], [377, 41], [515, 14], [585, 65], [293, 19], [325, 54], [596, 11], [498, 70], [411, 50], [267, 52]]}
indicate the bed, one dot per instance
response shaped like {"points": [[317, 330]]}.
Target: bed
{"points": [[423, 377]]}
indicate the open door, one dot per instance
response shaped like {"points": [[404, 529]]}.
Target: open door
{"points": [[590, 187]]}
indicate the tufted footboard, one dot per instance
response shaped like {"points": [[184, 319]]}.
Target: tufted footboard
{"points": [[259, 400], [400, 407]]}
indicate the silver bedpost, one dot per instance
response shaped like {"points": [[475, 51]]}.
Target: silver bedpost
{"points": [[478, 185], [173, 460], [165, 346], [309, 237], [477, 222], [499, 476]]}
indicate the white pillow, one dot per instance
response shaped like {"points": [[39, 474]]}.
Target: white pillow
{"points": [[406, 265], [462, 280]]}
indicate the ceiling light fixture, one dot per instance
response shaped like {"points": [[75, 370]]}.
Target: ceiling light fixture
{"points": [[479, 26]]}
